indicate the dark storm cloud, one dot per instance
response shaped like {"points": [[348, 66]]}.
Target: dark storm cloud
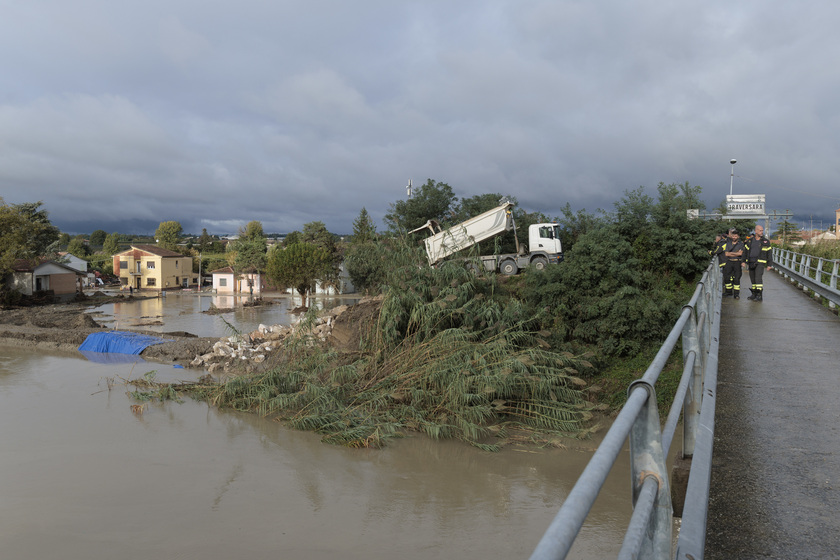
{"points": [[286, 112]]}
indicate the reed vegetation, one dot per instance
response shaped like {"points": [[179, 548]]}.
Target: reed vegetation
{"points": [[450, 356]]}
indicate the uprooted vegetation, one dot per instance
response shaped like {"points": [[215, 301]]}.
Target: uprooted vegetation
{"points": [[449, 355], [487, 359]]}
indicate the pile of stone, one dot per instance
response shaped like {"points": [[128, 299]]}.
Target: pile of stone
{"points": [[246, 350]]}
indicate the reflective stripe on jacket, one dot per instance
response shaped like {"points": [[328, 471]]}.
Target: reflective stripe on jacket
{"points": [[759, 251]]}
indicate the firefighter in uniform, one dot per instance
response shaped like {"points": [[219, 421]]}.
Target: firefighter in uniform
{"points": [[758, 253], [719, 248], [734, 253]]}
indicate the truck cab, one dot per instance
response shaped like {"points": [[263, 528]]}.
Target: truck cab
{"points": [[545, 238]]}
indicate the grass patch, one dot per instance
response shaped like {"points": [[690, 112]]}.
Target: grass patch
{"points": [[617, 375]]}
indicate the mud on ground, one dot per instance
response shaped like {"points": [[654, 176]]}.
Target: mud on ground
{"points": [[65, 326]]}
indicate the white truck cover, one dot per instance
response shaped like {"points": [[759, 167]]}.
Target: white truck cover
{"points": [[469, 232]]}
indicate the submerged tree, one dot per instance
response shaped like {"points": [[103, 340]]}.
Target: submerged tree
{"points": [[299, 266], [248, 253]]}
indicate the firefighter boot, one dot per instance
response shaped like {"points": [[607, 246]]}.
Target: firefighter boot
{"points": [[754, 294], [759, 296]]}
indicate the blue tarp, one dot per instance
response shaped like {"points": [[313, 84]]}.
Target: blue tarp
{"points": [[119, 342], [109, 358]]}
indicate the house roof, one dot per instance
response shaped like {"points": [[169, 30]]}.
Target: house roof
{"points": [[24, 265], [152, 250], [229, 270], [62, 265]]}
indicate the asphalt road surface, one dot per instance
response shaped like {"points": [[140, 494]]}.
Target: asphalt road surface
{"points": [[775, 487]]}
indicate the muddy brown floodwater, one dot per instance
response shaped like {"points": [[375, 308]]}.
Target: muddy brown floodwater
{"points": [[84, 477]]}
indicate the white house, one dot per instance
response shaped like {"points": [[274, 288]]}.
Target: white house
{"points": [[249, 281], [30, 278]]}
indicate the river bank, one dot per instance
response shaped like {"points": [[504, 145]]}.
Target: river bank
{"points": [[65, 326]]}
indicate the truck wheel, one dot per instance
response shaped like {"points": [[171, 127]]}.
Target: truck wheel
{"points": [[540, 263], [508, 267]]}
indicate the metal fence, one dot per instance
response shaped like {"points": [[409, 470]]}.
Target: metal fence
{"points": [[813, 273], [649, 533]]}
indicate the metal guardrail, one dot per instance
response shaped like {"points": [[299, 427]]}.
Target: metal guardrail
{"points": [[649, 534], [814, 273]]}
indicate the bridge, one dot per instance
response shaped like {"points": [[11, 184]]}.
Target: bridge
{"points": [[760, 409]]}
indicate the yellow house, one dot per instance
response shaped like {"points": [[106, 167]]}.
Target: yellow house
{"points": [[148, 267]]}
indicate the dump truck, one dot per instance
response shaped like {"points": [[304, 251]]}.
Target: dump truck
{"points": [[544, 246]]}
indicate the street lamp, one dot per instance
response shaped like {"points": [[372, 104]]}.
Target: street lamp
{"points": [[732, 174]]}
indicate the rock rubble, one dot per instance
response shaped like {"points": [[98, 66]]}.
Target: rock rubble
{"points": [[248, 350]]}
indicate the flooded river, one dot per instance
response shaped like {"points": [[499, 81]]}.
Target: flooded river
{"points": [[84, 477]]}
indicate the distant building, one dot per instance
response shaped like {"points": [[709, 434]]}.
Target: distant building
{"points": [[148, 267], [45, 276], [249, 281], [73, 261]]}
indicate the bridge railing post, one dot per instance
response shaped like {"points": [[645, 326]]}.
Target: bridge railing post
{"points": [[694, 396], [647, 460]]}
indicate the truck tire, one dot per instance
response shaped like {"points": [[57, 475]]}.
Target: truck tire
{"points": [[508, 267], [540, 263]]}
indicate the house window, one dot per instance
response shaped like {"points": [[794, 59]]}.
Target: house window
{"points": [[223, 282], [150, 265], [176, 264], [124, 265], [150, 281]]}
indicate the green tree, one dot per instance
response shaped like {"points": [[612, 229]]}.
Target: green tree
{"points": [[574, 224], [25, 233], [204, 241], [364, 231], [111, 245], [432, 201], [42, 235], [478, 204], [632, 212], [97, 238], [292, 238], [249, 251], [316, 233], [671, 210], [253, 230], [168, 234], [787, 232], [299, 266], [64, 239], [365, 258], [623, 280], [77, 247]]}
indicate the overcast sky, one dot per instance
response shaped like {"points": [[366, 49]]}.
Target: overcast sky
{"points": [[120, 115]]}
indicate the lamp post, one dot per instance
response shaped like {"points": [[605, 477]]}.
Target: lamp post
{"points": [[732, 174]]}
